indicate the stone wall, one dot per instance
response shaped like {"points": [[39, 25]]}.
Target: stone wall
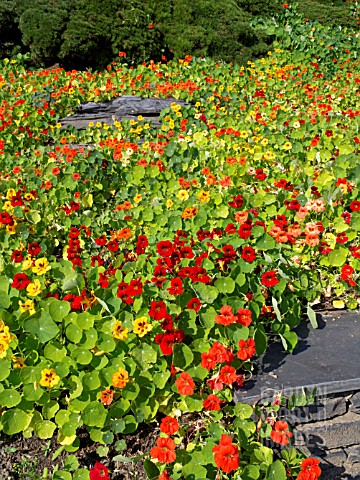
{"points": [[327, 359], [329, 429]]}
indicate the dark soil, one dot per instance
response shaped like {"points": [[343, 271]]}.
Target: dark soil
{"points": [[22, 458]]}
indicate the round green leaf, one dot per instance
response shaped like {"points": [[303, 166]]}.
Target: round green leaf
{"points": [[59, 309], [15, 421], [74, 333], [54, 351], [9, 398], [94, 415], [225, 285], [44, 429]]}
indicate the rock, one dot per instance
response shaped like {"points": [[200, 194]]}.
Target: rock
{"points": [[330, 434], [120, 108]]}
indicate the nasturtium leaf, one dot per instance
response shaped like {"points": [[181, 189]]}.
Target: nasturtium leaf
{"points": [[94, 415], [225, 285], [54, 351], [58, 310], [4, 368], [49, 409], [130, 424], [206, 293], [312, 316], [291, 340], [161, 378], [87, 200], [147, 215], [82, 356], [276, 471], [151, 470], [260, 340], [243, 411], [119, 408], [85, 320], [30, 374], [44, 328], [9, 398], [81, 474], [265, 242], [182, 356], [250, 472], [144, 354], [208, 317], [32, 392], [239, 332], [73, 333], [90, 338], [15, 421], [337, 257], [222, 211], [4, 299], [62, 475], [131, 391], [91, 380], [44, 429]]}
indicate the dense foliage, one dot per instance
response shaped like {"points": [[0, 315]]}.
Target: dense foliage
{"points": [[82, 33], [142, 269]]}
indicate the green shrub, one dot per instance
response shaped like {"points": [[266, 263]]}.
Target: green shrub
{"points": [[328, 13]]}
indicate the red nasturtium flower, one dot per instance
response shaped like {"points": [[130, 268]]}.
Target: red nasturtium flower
{"points": [[185, 384], [248, 254], [244, 317], [99, 472], [310, 469], [226, 455], [169, 425], [194, 304], [164, 476], [212, 402], [164, 452], [246, 349], [21, 281], [355, 205], [280, 433], [227, 375], [226, 316], [268, 279]]}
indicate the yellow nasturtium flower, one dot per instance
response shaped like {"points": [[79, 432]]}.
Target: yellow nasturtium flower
{"points": [[204, 197], [41, 266], [33, 289], [137, 198], [142, 326], [169, 203], [182, 195], [27, 263], [19, 362], [27, 306], [119, 332], [49, 378], [10, 193]]}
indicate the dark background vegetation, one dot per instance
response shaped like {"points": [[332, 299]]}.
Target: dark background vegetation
{"points": [[90, 33]]}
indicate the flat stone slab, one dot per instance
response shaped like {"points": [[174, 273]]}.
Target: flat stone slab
{"points": [[120, 108], [326, 358]]}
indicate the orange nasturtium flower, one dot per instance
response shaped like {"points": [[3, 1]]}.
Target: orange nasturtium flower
{"points": [[189, 212], [120, 378], [49, 378]]}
